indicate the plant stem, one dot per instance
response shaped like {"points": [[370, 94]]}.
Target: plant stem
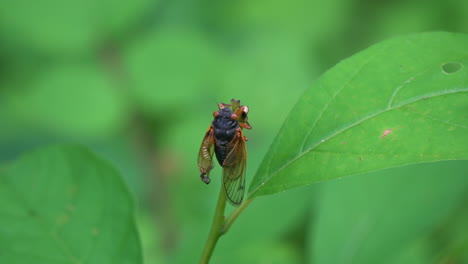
{"points": [[230, 220], [220, 226], [216, 228]]}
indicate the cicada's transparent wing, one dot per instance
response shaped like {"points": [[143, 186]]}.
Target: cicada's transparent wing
{"points": [[205, 155], [234, 169]]}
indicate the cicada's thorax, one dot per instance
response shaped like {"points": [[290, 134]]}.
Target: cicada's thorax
{"points": [[224, 131]]}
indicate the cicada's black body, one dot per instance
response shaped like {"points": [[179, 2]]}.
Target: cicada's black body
{"points": [[226, 138], [224, 131]]}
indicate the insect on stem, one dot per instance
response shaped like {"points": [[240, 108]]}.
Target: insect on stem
{"points": [[225, 139]]}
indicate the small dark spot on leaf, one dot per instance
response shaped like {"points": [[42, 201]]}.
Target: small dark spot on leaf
{"points": [[360, 159], [451, 67], [344, 142]]}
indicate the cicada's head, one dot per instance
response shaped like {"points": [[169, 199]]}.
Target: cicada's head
{"points": [[234, 111], [240, 113]]}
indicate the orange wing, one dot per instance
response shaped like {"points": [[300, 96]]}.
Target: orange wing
{"points": [[234, 169], [205, 155]]}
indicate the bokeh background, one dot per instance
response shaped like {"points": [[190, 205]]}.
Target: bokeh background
{"points": [[137, 82]]}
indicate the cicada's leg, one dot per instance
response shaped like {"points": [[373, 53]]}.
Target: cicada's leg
{"points": [[245, 125], [236, 115], [223, 105]]}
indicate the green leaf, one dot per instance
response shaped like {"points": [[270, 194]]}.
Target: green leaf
{"points": [[400, 102], [65, 205]]}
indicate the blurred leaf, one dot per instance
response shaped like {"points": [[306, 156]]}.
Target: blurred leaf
{"points": [[150, 239], [298, 18], [413, 16], [269, 66], [65, 205], [384, 217], [77, 100], [393, 104], [449, 242], [66, 26], [417, 252], [171, 68]]}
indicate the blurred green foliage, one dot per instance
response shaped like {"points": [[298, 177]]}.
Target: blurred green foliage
{"points": [[137, 81]]}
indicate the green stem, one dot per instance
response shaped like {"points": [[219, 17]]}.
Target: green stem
{"points": [[230, 220], [216, 228]]}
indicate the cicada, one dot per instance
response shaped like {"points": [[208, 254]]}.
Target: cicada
{"points": [[226, 139]]}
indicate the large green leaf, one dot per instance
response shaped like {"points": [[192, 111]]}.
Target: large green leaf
{"points": [[65, 205], [400, 102]]}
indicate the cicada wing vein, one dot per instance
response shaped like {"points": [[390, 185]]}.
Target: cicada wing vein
{"points": [[234, 168]]}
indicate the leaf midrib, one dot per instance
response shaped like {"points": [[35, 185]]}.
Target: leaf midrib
{"points": [[325, 108]]}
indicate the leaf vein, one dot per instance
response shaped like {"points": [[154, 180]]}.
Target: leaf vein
{"points": [[324, 109], [397, 90]]}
